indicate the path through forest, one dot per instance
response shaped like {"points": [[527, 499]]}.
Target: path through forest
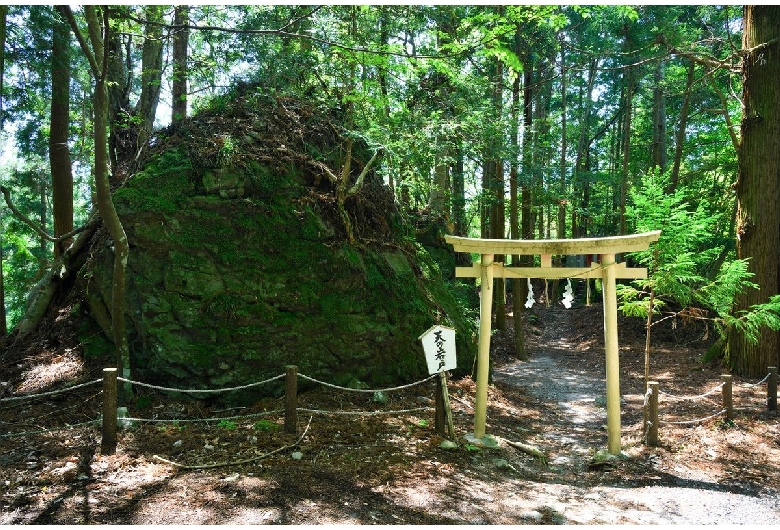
{"points": [[567, 374], [553, 377]]}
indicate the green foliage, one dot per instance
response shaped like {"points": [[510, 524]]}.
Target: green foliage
{"points": [[678, 261], [228, 425], [266, 426], [418, 80], [143, 403], [750, 322], [688, 244]]}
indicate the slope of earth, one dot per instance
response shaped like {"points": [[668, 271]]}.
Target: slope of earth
{"points": [[368, 468]]}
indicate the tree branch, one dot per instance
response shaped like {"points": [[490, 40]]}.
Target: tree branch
{"points": [[725, 111], [38, 230], [359, 182], [26, 220], [282, 33], [68, 14]]}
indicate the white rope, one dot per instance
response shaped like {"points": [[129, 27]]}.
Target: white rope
{"points": [[202, 420], [199, 390], [751, 385], [691, 398], [370, 391], [60, 391], [692, 421], [363, 413], [55, 429]]}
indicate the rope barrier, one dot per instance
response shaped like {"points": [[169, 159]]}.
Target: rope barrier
{"points": [[751, 385], [60, 391], [691, 398], [61, 410], [280, 376], [370, 391], [202, 420], [55, 429], [199, 390], [692, 421], [363, 413]]}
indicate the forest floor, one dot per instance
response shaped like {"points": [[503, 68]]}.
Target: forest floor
{"points": [[391, 469]]}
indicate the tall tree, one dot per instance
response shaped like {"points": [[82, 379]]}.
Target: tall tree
{"points": [[627, 121], [758, 183], [151, 74], [59, 151], [561, 227], [3, 316], [658, 156], [95, 46], [181, 39], [497, 193], [679, 143], [514, 213]]}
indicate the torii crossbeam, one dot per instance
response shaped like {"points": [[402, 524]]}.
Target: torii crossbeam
{"points": [[608, 270]]}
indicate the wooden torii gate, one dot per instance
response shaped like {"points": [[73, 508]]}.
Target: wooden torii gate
{"points": [[608, 270]]}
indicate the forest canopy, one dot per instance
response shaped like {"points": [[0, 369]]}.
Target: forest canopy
{"points": [[503, 121]]}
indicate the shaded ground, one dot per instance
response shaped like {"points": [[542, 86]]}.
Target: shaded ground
{"points": [[390, 469]]}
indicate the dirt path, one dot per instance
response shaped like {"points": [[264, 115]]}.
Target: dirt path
{"points": [[571, 382], [557, 379]]}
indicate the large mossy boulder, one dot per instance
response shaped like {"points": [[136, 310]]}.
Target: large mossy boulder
{"points": [[240, 262]]}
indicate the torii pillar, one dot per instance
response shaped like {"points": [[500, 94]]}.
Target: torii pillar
{"points": [[608, 270]]}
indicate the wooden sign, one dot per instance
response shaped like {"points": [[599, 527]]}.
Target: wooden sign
{"points": [[439, 345]]}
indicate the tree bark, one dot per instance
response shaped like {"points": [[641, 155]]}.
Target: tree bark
{"points": [[561, 228], [487, 198], [583, 145], [151, 75], [59, 151], [439, 199], [119, 74], [680, 137], [514, 217], [658, 158], [526, 222], [758, 183], [181, 39], [96, 52], [497, 216], [629, 97], [459, 195], [3, 316]]}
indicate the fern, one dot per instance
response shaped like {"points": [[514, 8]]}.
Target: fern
{"points": [[678, 261], [750, 322]]}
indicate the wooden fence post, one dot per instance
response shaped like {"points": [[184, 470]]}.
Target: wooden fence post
{"points": [[771, 389], [726, 392], [652, 414], [108, 431], [439, 421], [291, 400]]}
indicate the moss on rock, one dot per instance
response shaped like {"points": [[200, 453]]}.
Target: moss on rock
{"points": [[237, 271]]}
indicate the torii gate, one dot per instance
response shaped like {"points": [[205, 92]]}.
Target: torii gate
{"points": [[608, 270]]}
